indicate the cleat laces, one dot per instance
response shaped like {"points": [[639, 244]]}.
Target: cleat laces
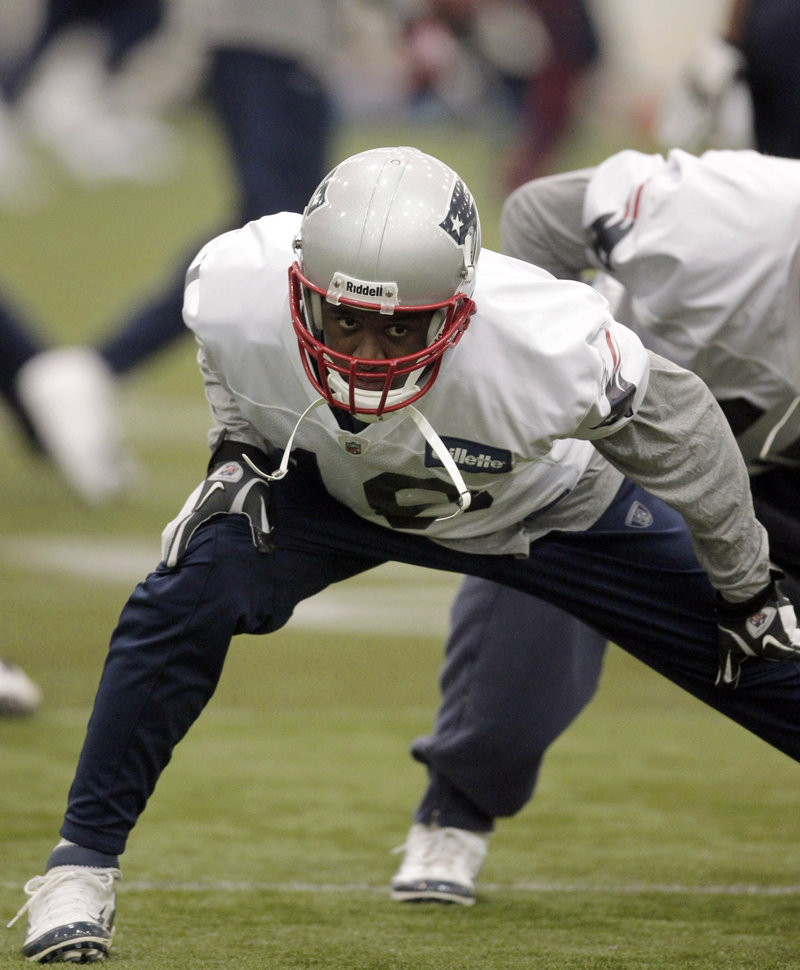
{"points": [[85, 895]]}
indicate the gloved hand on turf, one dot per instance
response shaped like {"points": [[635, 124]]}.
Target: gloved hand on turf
{"points": [[764, 627], [231, 488]]}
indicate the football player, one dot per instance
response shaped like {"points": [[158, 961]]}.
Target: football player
{"points": [[263, 81], [383, 390], [702, 257]]}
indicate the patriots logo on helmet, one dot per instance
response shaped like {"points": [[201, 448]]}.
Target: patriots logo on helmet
{"points": [[320, 197], [462, 216]]}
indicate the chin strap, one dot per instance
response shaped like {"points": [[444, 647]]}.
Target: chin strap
{"points": [[444, 456], [428, 432], [282, 469]]}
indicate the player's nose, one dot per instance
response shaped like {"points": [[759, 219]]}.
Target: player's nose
{"points": [[369, 346]]}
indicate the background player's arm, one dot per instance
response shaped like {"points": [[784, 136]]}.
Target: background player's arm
{"points": [[679, 446], [542, 223]]}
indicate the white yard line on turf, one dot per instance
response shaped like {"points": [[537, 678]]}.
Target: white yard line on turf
{"points": [[420, 598], [620, 889]]}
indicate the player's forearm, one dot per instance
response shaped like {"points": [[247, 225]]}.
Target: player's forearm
{"points": [[542, 223], [679, 447]]}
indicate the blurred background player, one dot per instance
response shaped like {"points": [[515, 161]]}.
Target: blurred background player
{"points": [[63, 90], [527, 59], [66, 89], [261, 72], [740, 88]]}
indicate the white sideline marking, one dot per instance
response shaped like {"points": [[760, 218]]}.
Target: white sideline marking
{"points": [[394, 598], [632, 889], [620, 889]]}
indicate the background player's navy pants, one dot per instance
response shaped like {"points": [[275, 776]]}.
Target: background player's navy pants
{"points": [[641, 587], [507, 693], [517, 672]]}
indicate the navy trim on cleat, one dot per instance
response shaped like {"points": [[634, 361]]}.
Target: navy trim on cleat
{"points": [[440, 864], [71, 943], [433, 891]]}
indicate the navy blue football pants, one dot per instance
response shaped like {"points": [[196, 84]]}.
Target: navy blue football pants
{"points": [[639, 586]]}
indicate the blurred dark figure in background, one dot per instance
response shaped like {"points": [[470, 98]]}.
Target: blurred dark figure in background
{"points": [[530, 56], [261, 72], [741, 88]]}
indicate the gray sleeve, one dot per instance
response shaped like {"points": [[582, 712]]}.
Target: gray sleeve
{"points": [[542, 223], [680, 448], [229, 422]]}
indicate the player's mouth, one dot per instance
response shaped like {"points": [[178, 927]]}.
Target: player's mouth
{"points": [[370, 383]]}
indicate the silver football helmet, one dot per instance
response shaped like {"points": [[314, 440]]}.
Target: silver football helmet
{"points": [[390, 229]]}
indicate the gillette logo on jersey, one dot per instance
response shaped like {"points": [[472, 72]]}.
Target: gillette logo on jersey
{"points": [[470, 456]]}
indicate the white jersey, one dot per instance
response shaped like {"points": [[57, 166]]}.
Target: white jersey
{"points": [[541, 370], [708, 249]]}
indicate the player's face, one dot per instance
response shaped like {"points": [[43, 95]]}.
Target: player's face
{"points": [[373, 336]]}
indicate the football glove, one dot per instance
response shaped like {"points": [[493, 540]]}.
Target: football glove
{"points": [[231, 488], [764, 627]]}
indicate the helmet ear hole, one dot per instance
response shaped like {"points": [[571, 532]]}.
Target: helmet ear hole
{"points": [[312, 302]]}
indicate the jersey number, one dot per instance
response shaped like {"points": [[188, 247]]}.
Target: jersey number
{"points": [[403, 500]]}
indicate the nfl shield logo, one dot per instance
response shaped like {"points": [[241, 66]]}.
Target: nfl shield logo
{"points": [[352, 447], [639, 517]]}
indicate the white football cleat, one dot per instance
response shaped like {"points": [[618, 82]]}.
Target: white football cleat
{"points": [[70, 914], [439, 865], [70, 397], [18, 693]]}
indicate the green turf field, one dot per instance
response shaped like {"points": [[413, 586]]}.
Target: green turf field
{"points": [[662, 837]]}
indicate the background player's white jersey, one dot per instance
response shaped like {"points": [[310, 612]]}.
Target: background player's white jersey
{"points": [[541, 366], [709, 251]]}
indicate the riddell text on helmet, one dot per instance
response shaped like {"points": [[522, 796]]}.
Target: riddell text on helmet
{"points": [[363, 289]]}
